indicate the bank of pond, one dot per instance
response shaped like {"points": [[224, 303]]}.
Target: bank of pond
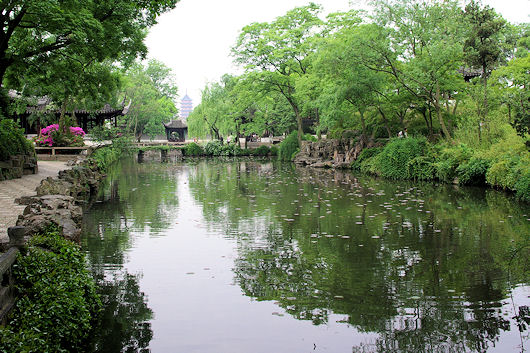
{"points": [[259, 255]]}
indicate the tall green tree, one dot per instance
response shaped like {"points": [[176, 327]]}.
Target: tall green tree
{"points": [[279, 52], [32, 30], [426, 50], [151, 105], [483, 46]]}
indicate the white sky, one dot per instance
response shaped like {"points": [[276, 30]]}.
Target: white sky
{"points": [[195, 38]]}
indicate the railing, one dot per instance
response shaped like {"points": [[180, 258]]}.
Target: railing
{"points": [[54, 149]]}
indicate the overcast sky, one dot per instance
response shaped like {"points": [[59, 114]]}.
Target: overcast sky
{"points": [[195, 38]]}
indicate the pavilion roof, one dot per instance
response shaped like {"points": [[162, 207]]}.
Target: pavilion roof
{"points": [[176, 124]]}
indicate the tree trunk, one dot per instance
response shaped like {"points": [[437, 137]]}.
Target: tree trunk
{"points": [[385, 122], [363, 122], [440, 115], [317, 117], [299, 122], [62, 122]]}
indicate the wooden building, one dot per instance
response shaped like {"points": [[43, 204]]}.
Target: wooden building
{"points": [[176, 131]]}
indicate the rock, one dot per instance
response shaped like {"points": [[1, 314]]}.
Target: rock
{"points": [[53, 186], [45, 210]]}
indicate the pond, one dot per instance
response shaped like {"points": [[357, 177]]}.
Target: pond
{"points": [[260, 256]]}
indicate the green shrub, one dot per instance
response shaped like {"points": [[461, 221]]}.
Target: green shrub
{"points": [[421, 168], [238, 151], [261, 151], [288, 147], [522, 188], [448, 160], [193, 149], [107, 155], [274, 151], [12, 140], [57, 303], [393, 161], [365, 154], [213, 148], [309, 137], [473, 172]]}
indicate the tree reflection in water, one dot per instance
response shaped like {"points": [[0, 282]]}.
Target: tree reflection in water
{"points": [[426, 268]]}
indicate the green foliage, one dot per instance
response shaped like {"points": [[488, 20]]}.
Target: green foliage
{"points": [[107, 155], [57, 303], [394, 160], [261, 151], [448, 159], [288, 147], [103, 133], [274, 151], [365, 154], [12, 140], [522, 187], [421, 168], [309, 137], [214, 148], [74, 44], [473, 172], [151, 89], [193, 149]]}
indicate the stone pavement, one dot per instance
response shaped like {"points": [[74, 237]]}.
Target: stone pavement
{"points": [[25, 186]]}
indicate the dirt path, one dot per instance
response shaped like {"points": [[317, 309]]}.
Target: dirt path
{"points": [[25, 186]]}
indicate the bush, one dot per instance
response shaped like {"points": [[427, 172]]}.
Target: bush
{"points": [[107, 155], [522, 188], [57, 302], [393, 161], [213, 148], [448, 160], [193, 149], [309, 137], [473, 172], [421, 168], [261, 151], [365, 154], [507, 169], [52, 136], [288, 146], [12, 140], [274, 151]]}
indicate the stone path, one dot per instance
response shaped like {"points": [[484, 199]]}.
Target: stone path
{"points": [[25, 186]]}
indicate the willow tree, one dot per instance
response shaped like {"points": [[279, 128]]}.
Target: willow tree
{"points": [[278, 51]]}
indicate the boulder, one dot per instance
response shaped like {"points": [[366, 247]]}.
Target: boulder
{"points": [[43, 211]]}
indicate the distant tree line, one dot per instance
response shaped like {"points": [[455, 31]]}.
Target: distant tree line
{"points": [[433, 67]]}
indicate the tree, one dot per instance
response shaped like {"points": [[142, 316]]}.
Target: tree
{"points": [[279, 52], [151, 105], [212, 115], [340, 62], [483, 46], [514, 79], [32, 30], [425, 50]]}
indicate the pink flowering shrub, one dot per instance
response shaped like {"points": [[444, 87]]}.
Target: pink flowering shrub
{"points": [[51, 136]]}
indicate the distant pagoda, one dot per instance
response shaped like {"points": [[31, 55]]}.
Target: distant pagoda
{"points": [[186, 106]]}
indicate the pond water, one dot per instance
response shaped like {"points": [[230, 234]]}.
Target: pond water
{"points": [[259, 256]]}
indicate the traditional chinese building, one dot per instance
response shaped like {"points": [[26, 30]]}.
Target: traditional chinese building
{"points": [[176, 131], [186, 106]]}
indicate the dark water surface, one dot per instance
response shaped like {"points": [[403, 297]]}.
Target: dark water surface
{"points": [[241, 256]]}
